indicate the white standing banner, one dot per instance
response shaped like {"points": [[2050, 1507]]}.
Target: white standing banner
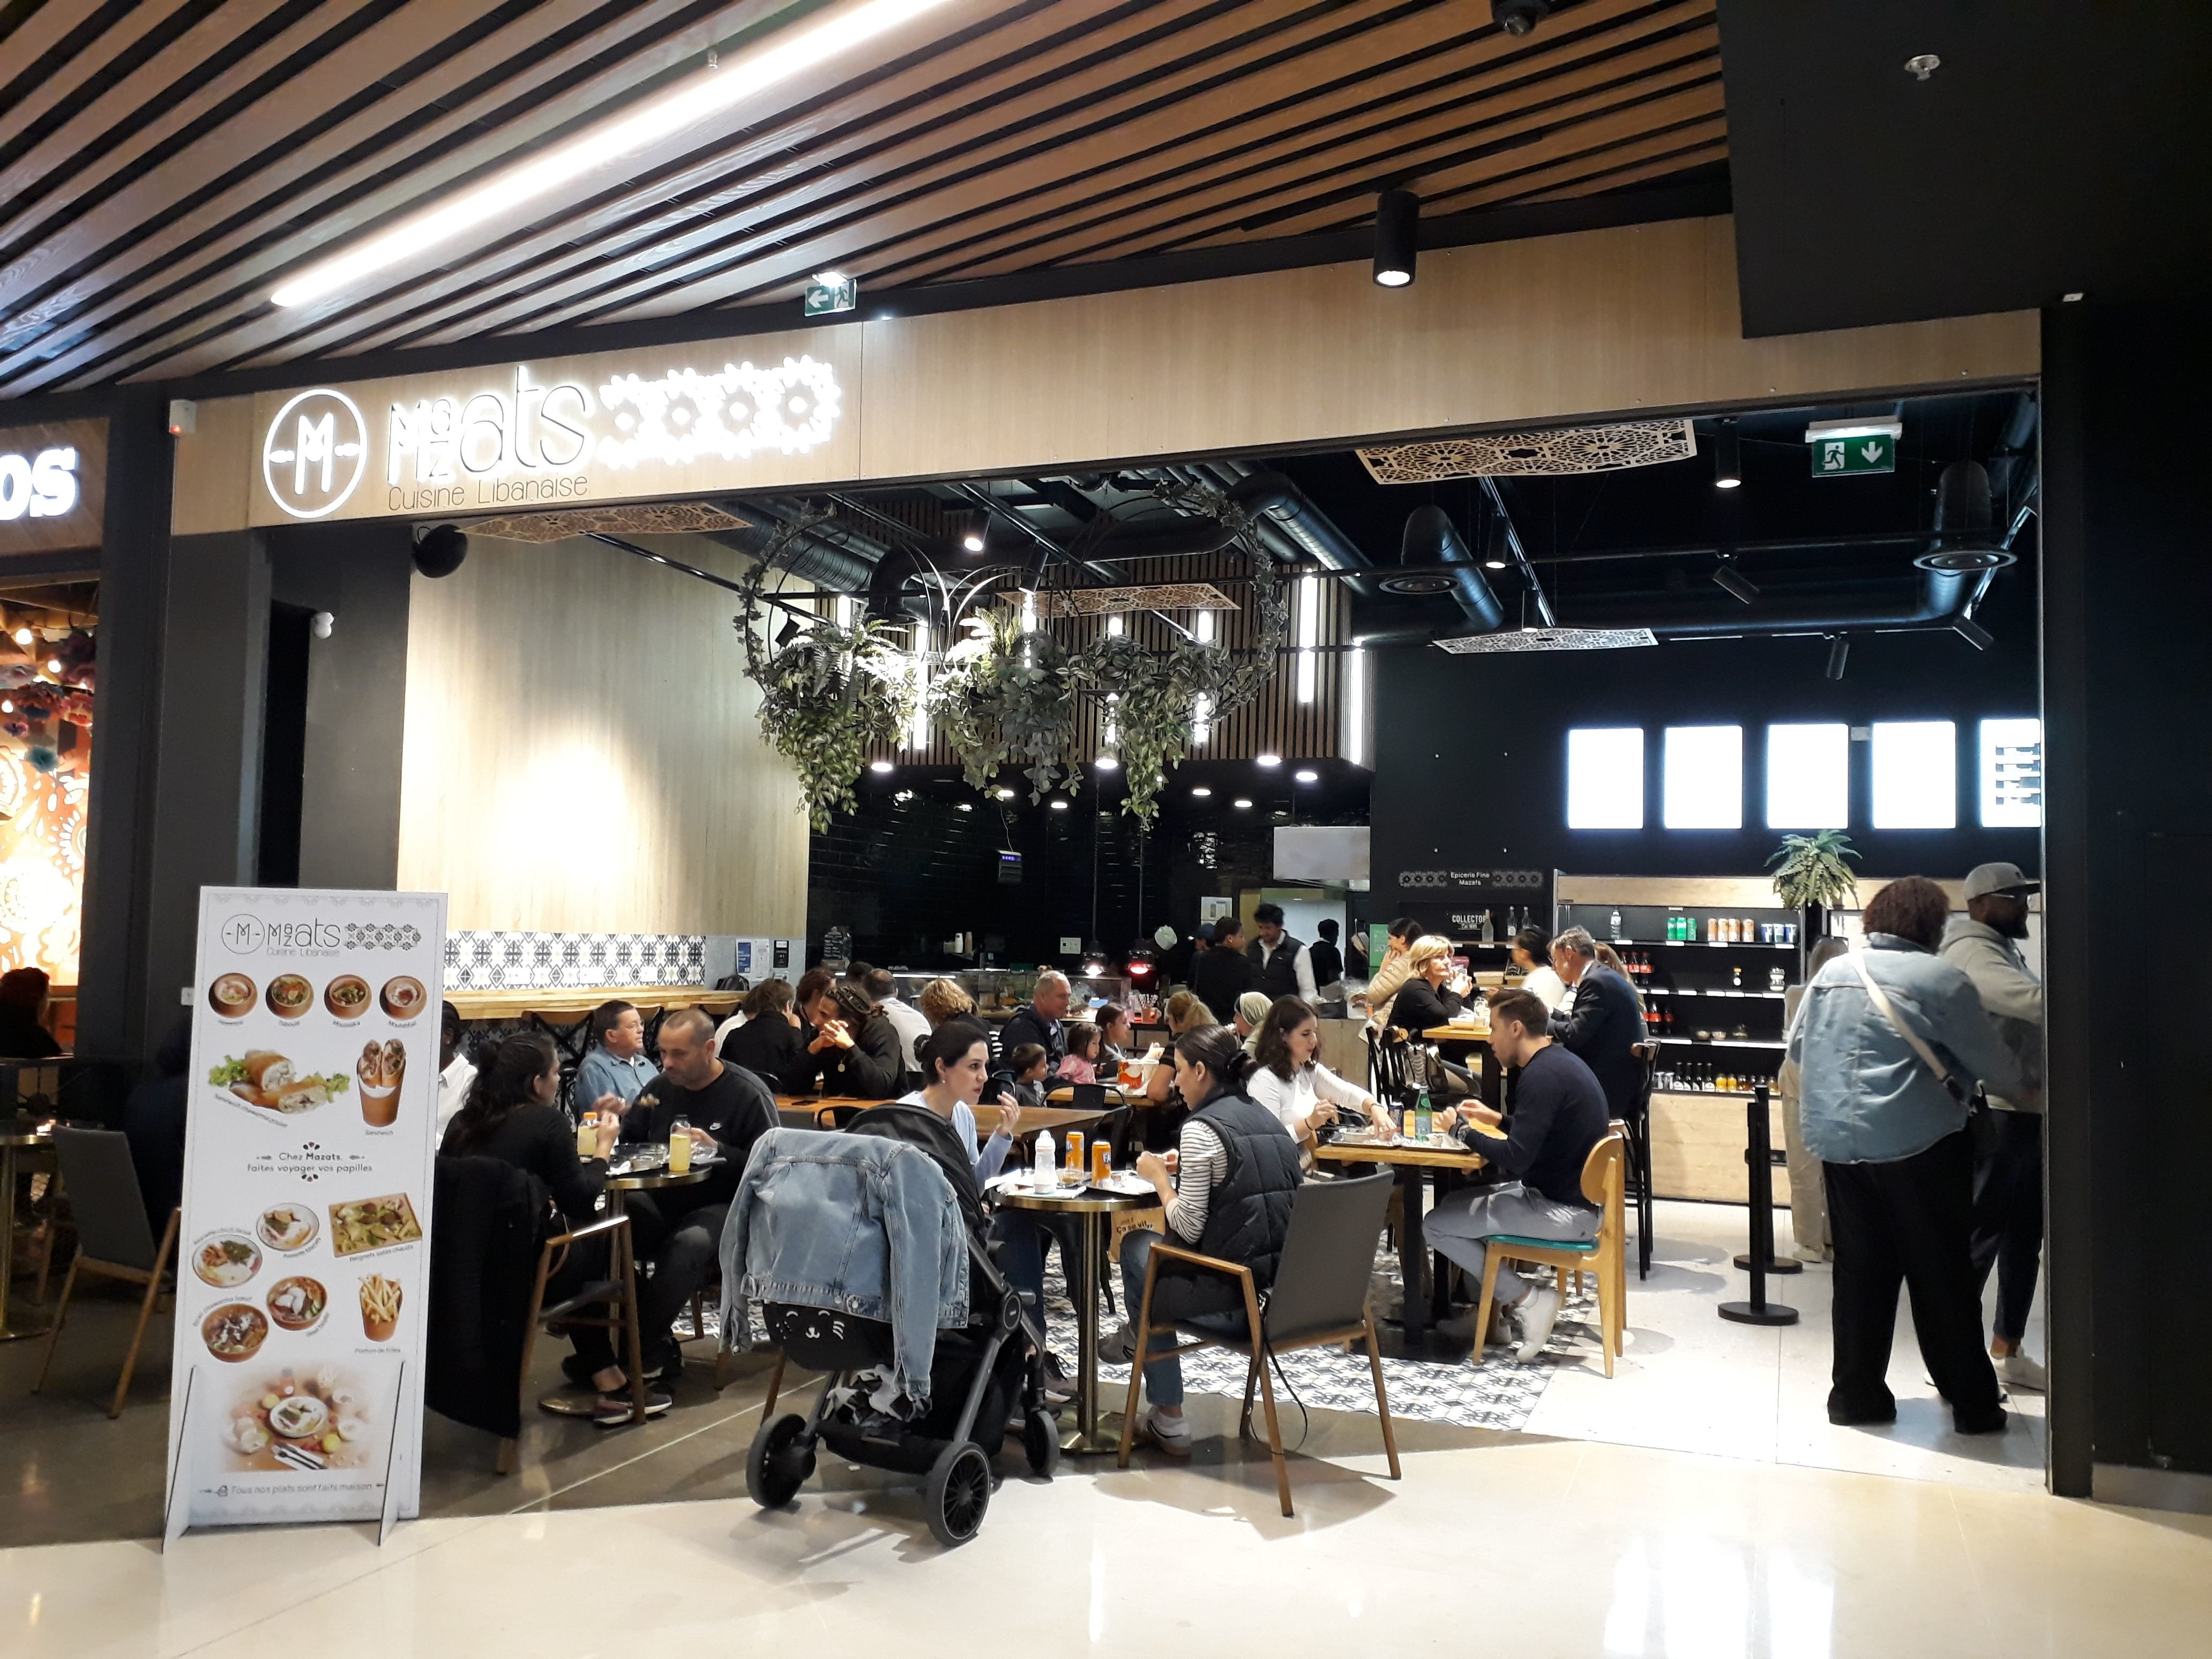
{"points": [[304, 1267]]}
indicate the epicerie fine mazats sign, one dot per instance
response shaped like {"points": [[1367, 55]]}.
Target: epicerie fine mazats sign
{"points": [[615, 426], [303, 1254], [53, 485]]}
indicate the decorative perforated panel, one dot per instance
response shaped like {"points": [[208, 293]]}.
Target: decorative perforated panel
{"points": [[1561, 449]]}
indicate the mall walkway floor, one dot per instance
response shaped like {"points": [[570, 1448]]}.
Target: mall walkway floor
{"points": [[1529, 1547]]}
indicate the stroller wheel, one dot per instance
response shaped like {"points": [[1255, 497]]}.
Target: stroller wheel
{"points": [[778, 1464], [1041, 1442], [959, 1492]]}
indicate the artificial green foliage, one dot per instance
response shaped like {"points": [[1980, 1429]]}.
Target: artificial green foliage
{"points": [[1003, 697], [1811, 869]]}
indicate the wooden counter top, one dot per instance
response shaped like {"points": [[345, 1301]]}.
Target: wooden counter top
{"points": [[573, 1002]]}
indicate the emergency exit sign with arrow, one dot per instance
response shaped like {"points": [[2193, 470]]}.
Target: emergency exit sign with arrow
{"points": [[1837, 457]]}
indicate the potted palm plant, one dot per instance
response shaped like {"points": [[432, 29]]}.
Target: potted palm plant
{"points": [[1811, 874]]}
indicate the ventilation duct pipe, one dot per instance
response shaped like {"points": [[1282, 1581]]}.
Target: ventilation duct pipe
{"points": [[1306, 525], [1432, 539], [1938, 597], [816, 561]]}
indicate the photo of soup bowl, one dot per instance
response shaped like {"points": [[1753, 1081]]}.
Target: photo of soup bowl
{"points": [[346, 997], [290, 996], [231, 996]]}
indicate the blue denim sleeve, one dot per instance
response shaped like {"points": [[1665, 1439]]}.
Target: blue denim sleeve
{"points": [[911, 1222]]}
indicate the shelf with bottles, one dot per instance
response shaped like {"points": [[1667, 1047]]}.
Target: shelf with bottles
{"points": [[1724, 1043], [1651, 926], [1740, 1075], [1726, 991]]}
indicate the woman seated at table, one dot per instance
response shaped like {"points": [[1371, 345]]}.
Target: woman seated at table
{"points": [[957, 1063], [854, 1050], [771, 1044], [1431, 994], [1226, 1192], [511, 1115], [1532, 955], [1184, 1012], [1390, 974], [1303, 1093], [1251, 1011]]}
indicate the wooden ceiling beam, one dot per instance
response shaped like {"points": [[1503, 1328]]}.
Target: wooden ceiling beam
{"points": [[21, 50]]}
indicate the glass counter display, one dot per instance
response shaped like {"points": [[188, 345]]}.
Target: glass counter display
{"points": [[998, 991]]}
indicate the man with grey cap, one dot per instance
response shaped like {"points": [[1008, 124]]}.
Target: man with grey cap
{"points": [[2008, 1173]]}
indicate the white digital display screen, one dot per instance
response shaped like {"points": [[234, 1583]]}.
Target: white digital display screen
{"points": [[1808, 777], [1915, 774], [1605, 777], [1704, 783], [2012, 774]]}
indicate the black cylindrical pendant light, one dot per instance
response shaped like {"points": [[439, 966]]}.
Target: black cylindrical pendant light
{"points": [[1728, 461], [1397, 220]]}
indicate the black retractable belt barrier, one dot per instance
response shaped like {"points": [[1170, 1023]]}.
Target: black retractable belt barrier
{"points": [[1759, 1159]]}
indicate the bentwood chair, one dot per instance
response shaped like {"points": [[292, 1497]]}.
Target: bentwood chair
{"points": [[615, 1298], [1605, 1255], [1318, 1300], [571, 1034], [114, 1238]]}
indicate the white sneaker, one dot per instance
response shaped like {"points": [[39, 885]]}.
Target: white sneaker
{"points": [[1171, 1434], [2021, 1372], [1537, 1314]]}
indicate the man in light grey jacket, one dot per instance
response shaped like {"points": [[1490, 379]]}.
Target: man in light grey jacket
{"points": [[2009, 1175]]}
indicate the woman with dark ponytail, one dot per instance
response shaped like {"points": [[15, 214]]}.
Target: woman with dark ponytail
{"points": [[1226, 1192], [511, 1115]]}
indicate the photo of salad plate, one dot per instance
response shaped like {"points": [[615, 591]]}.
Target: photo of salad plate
{"points": [[226, 1260]]}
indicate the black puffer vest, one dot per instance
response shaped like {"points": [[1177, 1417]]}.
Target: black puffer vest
{"points": [[1278, 976], [1249, 1212]]}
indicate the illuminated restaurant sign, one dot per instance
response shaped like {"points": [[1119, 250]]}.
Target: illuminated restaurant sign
{"points": [[616, 426], [53, 485]]}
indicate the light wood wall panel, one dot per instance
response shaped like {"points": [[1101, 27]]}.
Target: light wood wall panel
{"points": [[583, 751]]}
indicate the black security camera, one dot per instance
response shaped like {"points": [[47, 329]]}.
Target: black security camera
{"points": [[1518, 17]]}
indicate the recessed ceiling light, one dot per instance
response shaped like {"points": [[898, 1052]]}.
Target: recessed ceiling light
{"points": [[2072, 297], [1203, 792], [963, 806], [1107, 763], [1923, 65], [24, 636], [1057, 805], [879, 766], [1493, 564], [690, 104], [972, 542], [1308, 777], [53, 664], [1267, 760], [1005, 794], [1241, 804]]}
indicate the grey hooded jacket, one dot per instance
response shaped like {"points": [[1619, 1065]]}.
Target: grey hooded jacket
{"points": [[2011, 996], [855, 1224]]}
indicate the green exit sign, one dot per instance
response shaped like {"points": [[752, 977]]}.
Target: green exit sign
{"points": [[1838, 458]]}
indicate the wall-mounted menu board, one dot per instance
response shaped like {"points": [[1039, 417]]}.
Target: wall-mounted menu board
{"points": [[304, 1261]]}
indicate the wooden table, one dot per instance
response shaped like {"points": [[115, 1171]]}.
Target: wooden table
{"points": [[16, 1135], [577, 1001], [1493, 1077], [1414, 1166], [1095, 1210], [804, 1112]]}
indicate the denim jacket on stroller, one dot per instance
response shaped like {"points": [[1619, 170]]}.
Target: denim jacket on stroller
{"points": [[852, 1225]]}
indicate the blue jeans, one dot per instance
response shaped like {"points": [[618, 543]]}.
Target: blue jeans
{"points": [[1208, 1301]]}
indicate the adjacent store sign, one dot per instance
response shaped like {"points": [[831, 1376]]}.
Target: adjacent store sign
{"points": [[628, 425], [303, 1266], [53, 485]]}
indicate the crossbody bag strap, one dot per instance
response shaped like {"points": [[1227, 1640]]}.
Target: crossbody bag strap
{"points": [[1881, 1003]]}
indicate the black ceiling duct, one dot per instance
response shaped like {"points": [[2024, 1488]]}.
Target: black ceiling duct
{"points": [[1934, 600], [439, 549], [1965, 528], [1303, 524], [1432, 539]]}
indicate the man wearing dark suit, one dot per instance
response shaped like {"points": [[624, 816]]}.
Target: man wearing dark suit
{"points": [[1605, 1024]]}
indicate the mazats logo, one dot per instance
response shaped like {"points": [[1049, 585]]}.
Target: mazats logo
{"points": [[314, 453], [40, 486], [242, 935]]}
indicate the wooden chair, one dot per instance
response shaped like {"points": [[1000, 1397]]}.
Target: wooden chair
{"points": [[1605, 1255], [1639, 1154], [1319, 1300], [114, 1240], [617, 1295]]}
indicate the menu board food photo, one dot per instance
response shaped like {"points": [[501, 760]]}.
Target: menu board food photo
{"points": [[307, 1206]]}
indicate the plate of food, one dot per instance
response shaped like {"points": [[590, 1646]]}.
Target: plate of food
{"points": [[346, 997], [290, 996], [235, 1331], [1126, 1183], [263, 1078], [403, 997], [231, 996], [288, 1227], [297, 1304], [372, 1224], [289, 1423], [226, 1260], [299, 1417]]}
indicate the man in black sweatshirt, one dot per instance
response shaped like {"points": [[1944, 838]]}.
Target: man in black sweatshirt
{"points": [[1558, 1114]]}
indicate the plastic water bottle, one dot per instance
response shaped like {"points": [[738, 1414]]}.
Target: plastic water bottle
{"points": [[1425, 1121], [1047, 1164]]}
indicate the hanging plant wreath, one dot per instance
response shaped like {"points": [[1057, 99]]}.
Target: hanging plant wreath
{"points": [[1004, 697], [828, 696]]}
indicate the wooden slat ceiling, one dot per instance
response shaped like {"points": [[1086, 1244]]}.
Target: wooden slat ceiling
{"points": [[164, 163]]}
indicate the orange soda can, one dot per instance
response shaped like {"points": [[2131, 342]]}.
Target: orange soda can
{"points": [[1075, 1163], [1101, 1161]]}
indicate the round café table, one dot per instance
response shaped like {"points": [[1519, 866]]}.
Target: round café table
{"points": [[16, 1134], [633, 1179], [1095, 1209]]}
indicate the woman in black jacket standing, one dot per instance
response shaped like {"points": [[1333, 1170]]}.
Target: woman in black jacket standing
{"points": [[511, 1115]]}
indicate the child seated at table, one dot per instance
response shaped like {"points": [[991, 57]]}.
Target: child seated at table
{"points": [[1029, 1063], [1085, 1042]]}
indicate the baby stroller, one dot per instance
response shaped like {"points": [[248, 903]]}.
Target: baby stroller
{"points": [[978, 1374]]}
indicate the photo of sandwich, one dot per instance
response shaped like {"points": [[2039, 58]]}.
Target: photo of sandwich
{"points": [[371, 1224], [261, 1077], [381, 1068]]}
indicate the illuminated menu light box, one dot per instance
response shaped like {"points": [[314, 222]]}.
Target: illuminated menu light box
{"points": [[1915, 774], [771, 410], [2012, 774]]}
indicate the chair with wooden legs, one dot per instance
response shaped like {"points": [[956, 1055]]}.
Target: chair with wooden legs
{"points": [[114, 1239], [1606, 1256], [1319, 1300], [616, 1294]]}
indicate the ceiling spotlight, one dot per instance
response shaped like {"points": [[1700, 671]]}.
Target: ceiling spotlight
{"points": [[963, 806], [1519, 17], [7, 706], [1839, 654], [1923, 65], [1267, 760], [1201, 794], [879, 766], [903, 796], [24, 636], [1493, 564], [1107, 763], [1004, 794], [1725, 578], [1307, 776], [1397, 220], [973, 541], [1057, 805], [53, 664], [2075, 298], [1728, 461], [787, 634], [1241, 804]]}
